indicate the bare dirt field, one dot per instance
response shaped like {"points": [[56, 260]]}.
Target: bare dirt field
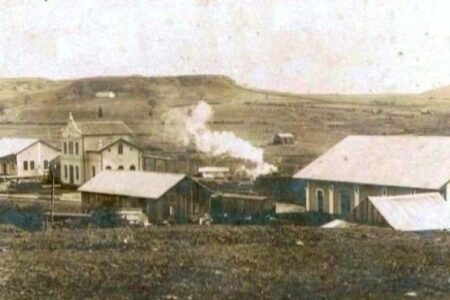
{"points": [[223, 262]]}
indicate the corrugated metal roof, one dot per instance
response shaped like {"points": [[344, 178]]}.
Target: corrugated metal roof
{"points": [[243, 196], [405, 161], [213, 169], [151, 185], [103, 127], [285, 135], [419, 212], [11, 146]]}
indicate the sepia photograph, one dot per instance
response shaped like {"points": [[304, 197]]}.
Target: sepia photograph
{"points": [[225, 149]]}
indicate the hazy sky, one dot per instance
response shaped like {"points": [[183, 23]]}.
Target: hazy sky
{"points": [[345, 46]]}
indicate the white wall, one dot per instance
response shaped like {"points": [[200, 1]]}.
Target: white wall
{"points": [[38, 153], [131, 156]]}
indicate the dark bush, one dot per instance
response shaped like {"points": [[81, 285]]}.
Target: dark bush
{"points": [[306, 218], [28, 218], [106, 218]]}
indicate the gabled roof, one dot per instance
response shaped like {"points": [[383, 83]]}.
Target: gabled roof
{"points": [[404, 161], [12, 146], [103, 128], [417, 212], [120, 140], [150, 185]]}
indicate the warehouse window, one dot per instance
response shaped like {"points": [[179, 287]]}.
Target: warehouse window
{"points": [[32, 165], [120, 168], [77, 173], [45, 164], [108, 168], [65, 171], [76, 148], [120, 149], [132, 168], [70, 147], [93, 171], [25, 165], [65, 147]]}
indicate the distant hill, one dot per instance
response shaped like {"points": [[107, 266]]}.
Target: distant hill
{"points": [[442, 92], [36, 107]]}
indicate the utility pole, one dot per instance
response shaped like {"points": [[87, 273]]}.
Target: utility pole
{"points": [[53, 168]]}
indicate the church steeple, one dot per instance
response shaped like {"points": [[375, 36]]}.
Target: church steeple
{"points": [[71, 117]]}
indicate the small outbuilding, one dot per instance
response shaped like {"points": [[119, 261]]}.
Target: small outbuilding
{"points": [[283, 138], [418, 212], [161, 196], [237, 207]]}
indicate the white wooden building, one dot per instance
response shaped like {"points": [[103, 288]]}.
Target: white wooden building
{"points": [[89, 147], [24, 157]]}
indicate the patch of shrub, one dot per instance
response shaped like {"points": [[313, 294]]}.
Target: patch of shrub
{"points": [[29, 217], [306, 218], [106, 218]]}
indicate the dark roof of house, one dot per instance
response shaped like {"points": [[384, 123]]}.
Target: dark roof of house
{"points": [[104, 128]]}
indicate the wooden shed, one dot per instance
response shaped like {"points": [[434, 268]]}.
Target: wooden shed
{"points": [[162, 196], [283, 138], [239, 206]]}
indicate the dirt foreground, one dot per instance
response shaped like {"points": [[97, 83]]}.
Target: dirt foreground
{"points": [[223, 262]]}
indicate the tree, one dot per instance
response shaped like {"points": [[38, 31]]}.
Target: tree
{"points": [[100, 112]]}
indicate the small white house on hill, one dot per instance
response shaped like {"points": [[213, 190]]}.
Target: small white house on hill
{"points": [[21, 157], [105, 94]]}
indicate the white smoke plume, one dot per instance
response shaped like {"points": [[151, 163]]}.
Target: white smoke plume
{"points": [[194, 130]]}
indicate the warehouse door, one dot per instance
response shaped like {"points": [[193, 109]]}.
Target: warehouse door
{"points": [[4, 168], [345, 202]]}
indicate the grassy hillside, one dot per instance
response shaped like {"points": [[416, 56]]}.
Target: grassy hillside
{"points": [[39, 107], [443, 92], [223, 262]]}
